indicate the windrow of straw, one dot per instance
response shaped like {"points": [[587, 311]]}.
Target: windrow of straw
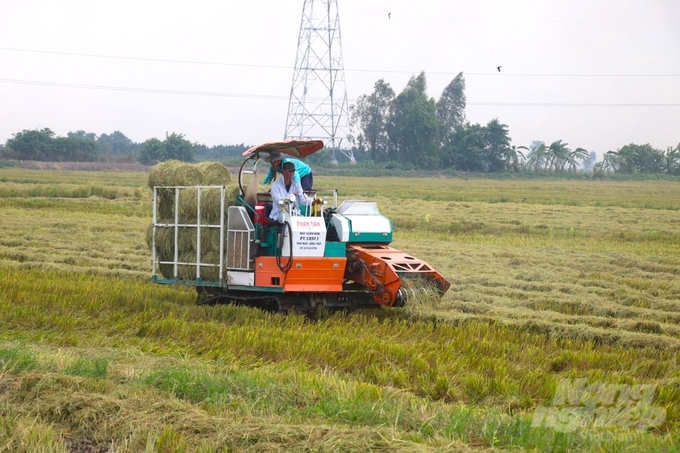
{"points": [[183, 206]]}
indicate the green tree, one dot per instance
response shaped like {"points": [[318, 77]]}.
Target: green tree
{"points": [[413, 127], [465, 149], [579, 154], [641, 159], [496, 151], [538, 155], [82, 135], [30, 145], [451, 108], [516, 160], [116, 144], [672, 160], [368, 117], [558, 156], [74, 148], [610, 163], [153, 151], [219, 152], [175, 146]]}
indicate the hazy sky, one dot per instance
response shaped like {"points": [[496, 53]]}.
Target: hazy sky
{"points": [[597, 74]]}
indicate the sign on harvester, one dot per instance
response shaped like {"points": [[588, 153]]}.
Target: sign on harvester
{"points": [[309, 236]]}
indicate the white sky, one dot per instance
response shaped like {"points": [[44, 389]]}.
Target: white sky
{"points": [[613, 62]]}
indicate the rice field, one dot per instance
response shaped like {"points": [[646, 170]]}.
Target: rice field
{"points": [[560, 331]]}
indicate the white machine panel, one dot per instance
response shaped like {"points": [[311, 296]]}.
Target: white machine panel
{"points": [[342, 227], [358, 207], [240, 278], [309, 236], [369, 224]]}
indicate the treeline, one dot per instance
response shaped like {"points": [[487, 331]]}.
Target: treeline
{"points": [[408, 130], [80, 146], [412, 130]]}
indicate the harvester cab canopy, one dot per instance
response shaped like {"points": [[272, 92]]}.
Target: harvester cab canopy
{"points": [[294, 148], [247, 175]]}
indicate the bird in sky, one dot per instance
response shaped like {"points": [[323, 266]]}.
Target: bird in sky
{"points": [[499, 68], [389, 15]]}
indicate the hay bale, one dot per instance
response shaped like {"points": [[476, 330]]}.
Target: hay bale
{"points": [[210, 241], [165, 248], [211, 273], [210, 205], [149, 236], [187, 272], [166, 208], [178, 173], [214, 174], [166, 270], [187, 243], [165, 240], [188, 206], [231, 192], [174, 173], [208, 273]]}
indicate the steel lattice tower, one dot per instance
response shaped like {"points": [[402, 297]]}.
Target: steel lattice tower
{"points": [[318, 107]]}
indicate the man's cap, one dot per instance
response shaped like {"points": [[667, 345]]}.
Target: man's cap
{"points": [[289, 166], [275, 156]]}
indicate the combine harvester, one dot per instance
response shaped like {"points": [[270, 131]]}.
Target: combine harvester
{"points": [[328, 255]]}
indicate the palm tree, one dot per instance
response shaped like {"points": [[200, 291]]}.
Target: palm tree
{"points": [[558, 156], [577, 154], [537, 155], [672, 160], [516, 159], [610, 162]]}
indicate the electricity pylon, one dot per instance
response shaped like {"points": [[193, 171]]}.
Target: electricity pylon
{"points": [[318, 107]]}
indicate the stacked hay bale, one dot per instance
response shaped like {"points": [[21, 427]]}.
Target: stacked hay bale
{"points": [[186, 210]]}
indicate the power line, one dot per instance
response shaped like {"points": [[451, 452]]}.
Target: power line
{"points": [[410, 15], [274, 97], [383, 71], [159, 60], [569, 104], [141, 90]]}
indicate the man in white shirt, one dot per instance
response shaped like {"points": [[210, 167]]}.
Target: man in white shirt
{"points": [[282, 188]]}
